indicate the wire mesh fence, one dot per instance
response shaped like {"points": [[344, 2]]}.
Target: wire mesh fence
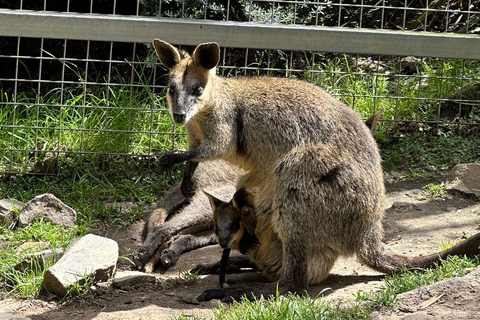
{"points": [[63, 98]]}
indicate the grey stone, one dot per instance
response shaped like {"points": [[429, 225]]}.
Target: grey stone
{"points": [[11, 316], [464, 178], [90, 256], [7, 210], [404, 206], [29, 246], [38, 259], [130, 278], [50, 208], [121, 207]]}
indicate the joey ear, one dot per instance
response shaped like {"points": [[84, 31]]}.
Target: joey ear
{"points": [[207, 55], [240, 201], [214, 202], [167, 53]]}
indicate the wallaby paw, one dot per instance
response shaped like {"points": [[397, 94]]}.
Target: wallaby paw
{"points": [[188, 189], [149, 267], [211, 294], [168, 258], [143, 257], [167, 160]]}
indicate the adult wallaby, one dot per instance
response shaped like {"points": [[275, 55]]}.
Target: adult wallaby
{"points": [[232, 218], [293, 138], [297, 143]]}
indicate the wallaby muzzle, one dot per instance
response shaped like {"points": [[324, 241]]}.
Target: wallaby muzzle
{"points": [[179, 118]]}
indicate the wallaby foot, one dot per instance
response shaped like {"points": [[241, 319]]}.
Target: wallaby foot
{"points": [[185, 243], [252, 292]]}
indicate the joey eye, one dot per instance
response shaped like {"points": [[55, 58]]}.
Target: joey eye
{"points": [[235, 226], [197, 91]]}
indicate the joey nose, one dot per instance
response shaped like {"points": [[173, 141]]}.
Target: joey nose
{"points": [[224, 243], [179, 117]]}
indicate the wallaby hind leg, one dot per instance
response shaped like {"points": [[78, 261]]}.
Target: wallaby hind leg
{"points": [[184, 243], [195, 214], [302, 218], [171, 203]]}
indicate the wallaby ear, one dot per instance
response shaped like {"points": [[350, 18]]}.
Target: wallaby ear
{"points": [[207, 55], [214, 202], [240, 201], [167, 53]]}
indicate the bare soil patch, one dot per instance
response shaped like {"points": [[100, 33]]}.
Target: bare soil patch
{"points": [[414, 225]]}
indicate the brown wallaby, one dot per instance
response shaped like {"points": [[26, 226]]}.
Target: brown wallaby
{"points": [[232, 216], [314, 170], [293, 138]]}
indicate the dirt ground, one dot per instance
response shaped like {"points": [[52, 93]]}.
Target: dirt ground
{"points": [[414, 225]]}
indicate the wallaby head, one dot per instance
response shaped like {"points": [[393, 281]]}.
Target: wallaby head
{"points": [[227, 221], [190, 77], [234, 222]]}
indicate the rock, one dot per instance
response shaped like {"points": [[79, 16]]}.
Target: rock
{"points": [[11, 316], [464, 178], [130, 278], [7, 210], [31, 246], [50, 208], [38, 259], [90, 256], [121, 207], [404, 206]]}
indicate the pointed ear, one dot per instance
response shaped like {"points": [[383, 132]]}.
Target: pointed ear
{"points": [[241, 201], [167, 53], [214, 202], [207, 55]]}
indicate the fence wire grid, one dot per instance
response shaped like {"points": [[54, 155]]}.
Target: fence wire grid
{"points": [[67, 98]]}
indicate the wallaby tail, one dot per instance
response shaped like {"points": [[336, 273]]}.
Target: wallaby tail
{"points": [[377, 258], [371, 122]]}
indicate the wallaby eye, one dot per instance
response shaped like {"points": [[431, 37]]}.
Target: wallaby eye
{"points": [[197, 91], [235, 226], [171, 88]]}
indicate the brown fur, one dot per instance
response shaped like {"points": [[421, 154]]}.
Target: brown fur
{"points": [[314, 169]]}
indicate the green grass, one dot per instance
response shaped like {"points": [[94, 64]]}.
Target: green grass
{"points": [[423, 154], [81, 118], [28, 283], [435, 190]]}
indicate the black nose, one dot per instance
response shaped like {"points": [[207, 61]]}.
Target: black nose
{"points": [[224, 243], [179, 117]]}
